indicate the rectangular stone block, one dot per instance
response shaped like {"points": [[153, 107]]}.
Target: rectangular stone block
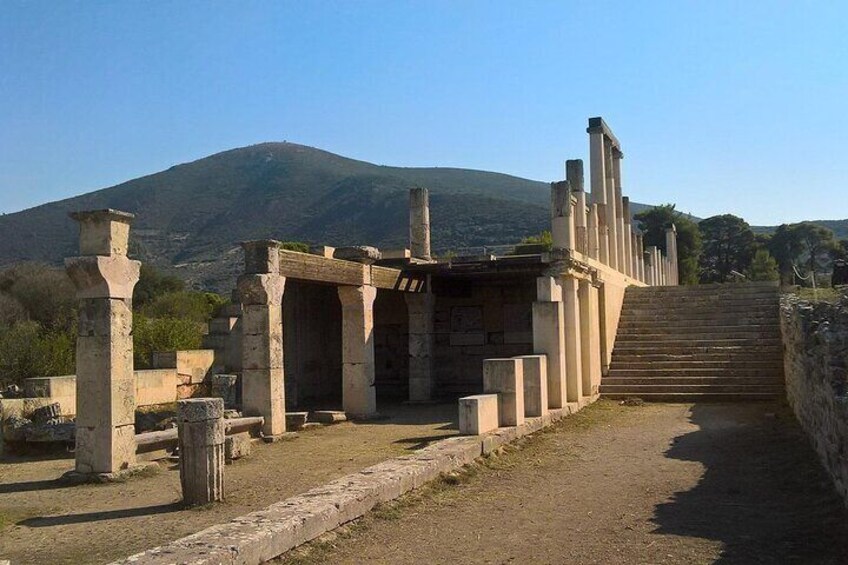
{"points": [[195, 364], [535, 385], [237, 446], [506, 378], [478, 414]]}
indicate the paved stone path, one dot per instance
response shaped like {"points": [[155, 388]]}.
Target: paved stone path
{"points": [[735, 483]]}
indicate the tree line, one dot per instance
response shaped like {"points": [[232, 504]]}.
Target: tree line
{"points": [[725, 248]]}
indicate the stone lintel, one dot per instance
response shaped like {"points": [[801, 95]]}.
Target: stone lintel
{"points": [[261, 256], [103, 232], [598, 125], [101, 276]]}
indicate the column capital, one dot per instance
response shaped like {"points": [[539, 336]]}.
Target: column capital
{"points": [[355, 295], [103, 232], [99, 276], [261, 256], [261, 288]]}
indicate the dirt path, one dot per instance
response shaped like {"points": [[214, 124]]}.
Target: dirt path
{"points": [[45, 521], [652, 484]]}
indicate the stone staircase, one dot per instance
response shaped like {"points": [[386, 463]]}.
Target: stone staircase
{"points": [[709, 342]]}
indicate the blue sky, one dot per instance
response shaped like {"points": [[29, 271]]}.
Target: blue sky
{"points": [[720, 107]]}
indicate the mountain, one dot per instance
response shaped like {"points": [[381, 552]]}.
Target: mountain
{"points": [[190, 218], [838, 227]]}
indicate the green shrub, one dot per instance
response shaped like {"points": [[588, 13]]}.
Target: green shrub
{"points": [[184, 305], [28, 351], [163, 334]]}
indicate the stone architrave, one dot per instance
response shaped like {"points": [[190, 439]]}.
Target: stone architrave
{"points": [[419, 223], [573, 363], [201, 435], [421, 308], [260, 290], [562, 216], [359, 397], [104, 279], [548, 336]]}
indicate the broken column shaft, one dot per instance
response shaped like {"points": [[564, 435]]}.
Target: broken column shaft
{"points": [[105, 402], [419, 223], [200, 432]]}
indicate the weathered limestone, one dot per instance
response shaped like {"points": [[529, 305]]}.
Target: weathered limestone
{"points": [[562, 216], [628, 238], [261, 292], [671, 253], [617, 156], [574, 176], [478, 414], [419, 223], [573, 363], [598, 179], [593, 237], [359, 397], [421, 308], [505, 377], [590, 348], [105, 401], [200, 428], [548, 336], [535, 371], [364, 254], [650, 271], [612, 206], [640, 257]]}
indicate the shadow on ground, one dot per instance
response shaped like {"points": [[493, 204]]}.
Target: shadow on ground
{"points": [[64, 519], [763, 493]]}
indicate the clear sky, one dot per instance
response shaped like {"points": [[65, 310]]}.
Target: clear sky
{"points": [[720, 107]]}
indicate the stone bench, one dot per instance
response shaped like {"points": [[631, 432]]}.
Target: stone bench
{"points": [[478, 414]]}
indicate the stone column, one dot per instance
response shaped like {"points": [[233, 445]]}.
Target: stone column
{"points": [[597, 174], [671, 253], [640, 256], [105, 402], [200, 432], [592, 239], [650, 270], [590, 349], [562, 216], [359, 397], [617, 156], [548, 336], [419, 223], [612, 209], [260, 290], [628, 238], [574, 176], [421, 308], [573, 362]]}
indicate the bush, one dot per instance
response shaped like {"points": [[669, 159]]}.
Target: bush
{"points": [[185, 305], [28, 351], [163, 334], [45, 293]]}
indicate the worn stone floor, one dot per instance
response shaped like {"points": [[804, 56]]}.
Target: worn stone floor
{"points": [[45, 521], [662, 483]]}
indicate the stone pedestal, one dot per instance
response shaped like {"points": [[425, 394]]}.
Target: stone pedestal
{"points": [[359, 397], [200, 429], [573, 363], [419, 223], [261, 292], [105, 401], [505, 378], [421, 308], [548, 337], [478, 414], [535, 371]]}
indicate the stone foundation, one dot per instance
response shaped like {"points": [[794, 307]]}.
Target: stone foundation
{"points": [[815, 339]]}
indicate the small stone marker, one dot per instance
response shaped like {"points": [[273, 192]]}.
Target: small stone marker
{"points": [[200, 425], [478, 414], [237, 446]]}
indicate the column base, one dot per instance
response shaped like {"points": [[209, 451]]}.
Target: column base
{"points": [[77, 478]]}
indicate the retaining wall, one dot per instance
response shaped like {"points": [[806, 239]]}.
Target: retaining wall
{"points": [[815, 339]]}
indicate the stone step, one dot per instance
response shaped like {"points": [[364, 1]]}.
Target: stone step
{"points": [[703, 289], [702, 308], [682, 314], [688, 397], [648, 329], [773, 389], [669, 344], [681, 381], [758, 363], [635, 323], [700, 336], [732, 356], [706, 299], [627, 373]]}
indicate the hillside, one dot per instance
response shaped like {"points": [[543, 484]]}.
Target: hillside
{"points": [[191, 217]]}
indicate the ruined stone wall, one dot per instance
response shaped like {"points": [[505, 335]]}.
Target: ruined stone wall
{"points": [[815, 338], [391, 345], [476, 321], [312, 341]]}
